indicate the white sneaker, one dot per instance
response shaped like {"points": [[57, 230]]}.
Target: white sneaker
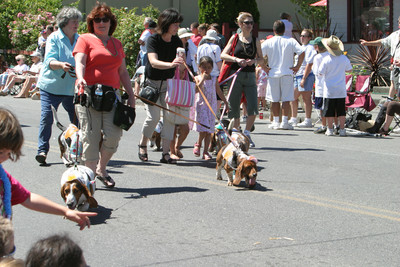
{"points": [[293, 122], [244, 119], [285, 126], [342, 132], [397, 130], [329, 132], [274, 125], [305, 124]]}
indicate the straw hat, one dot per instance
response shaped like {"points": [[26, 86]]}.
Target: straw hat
{"points": [[211, 35], [333, 45], [183, 33]]}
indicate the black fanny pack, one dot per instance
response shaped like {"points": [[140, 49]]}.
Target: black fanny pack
{"points": [[103, 97]]}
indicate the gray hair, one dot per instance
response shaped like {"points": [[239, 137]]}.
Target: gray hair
{"points": [[67, 13]]}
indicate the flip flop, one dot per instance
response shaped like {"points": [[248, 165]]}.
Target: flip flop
{"points": [[107, 181]]}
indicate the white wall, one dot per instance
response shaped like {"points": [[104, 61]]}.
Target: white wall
{"points": [[338, 17]]}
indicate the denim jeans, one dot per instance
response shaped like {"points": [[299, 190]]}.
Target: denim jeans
{"points": [[46, 117]]}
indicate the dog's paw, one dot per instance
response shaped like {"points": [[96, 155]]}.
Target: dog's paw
{"points": [[219, 178], [230, 183]]}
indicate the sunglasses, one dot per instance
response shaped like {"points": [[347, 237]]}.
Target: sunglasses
{"points": [[248, 22], [304, 36], [98, 20], [18, 60], [71, 73]]}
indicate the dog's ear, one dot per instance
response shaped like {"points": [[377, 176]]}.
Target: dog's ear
{"points": [[63, 190], [92, 202], [239, 173]]}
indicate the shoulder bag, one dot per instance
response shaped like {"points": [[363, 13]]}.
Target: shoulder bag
{"points": [[180, 92], [226, 66]]}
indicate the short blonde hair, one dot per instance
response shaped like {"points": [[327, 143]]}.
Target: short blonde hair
{"points": [[20, 57], [242, 16]]}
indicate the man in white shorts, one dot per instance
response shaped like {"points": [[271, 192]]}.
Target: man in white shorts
{"points": [[280, 51]]}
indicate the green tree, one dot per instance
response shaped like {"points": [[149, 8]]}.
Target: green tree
{"points": [[221, 11], [9, 10], [315, 15]]}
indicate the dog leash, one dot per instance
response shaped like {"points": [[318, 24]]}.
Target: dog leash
{"points": [[234, 76], [167, 109], [209, 106]]}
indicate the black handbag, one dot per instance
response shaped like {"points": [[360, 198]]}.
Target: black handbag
{"points": [[150, 93], [124, 116]]}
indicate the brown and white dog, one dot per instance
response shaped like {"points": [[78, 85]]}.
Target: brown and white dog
{"points": [[77, 188], [69, 141], [234, 159], [156, 136]]}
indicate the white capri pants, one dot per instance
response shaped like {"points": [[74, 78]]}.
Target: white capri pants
{"points": [[153, 113]]}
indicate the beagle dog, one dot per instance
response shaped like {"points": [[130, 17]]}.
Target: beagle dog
{"points": [[69, 141], [77, 188], [234, 159]]}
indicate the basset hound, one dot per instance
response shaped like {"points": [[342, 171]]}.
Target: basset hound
{"points": [[77, 188], [234, 159]]}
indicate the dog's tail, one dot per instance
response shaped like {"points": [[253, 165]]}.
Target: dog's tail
{"points": [[58, 123]]}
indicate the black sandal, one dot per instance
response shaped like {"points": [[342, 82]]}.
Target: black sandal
{"points": [[169, 160], [383, 132], [107, 181], [143, 156]]}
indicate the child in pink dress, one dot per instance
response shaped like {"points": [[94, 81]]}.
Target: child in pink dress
{"points": [[209, 85], [261, 78]]}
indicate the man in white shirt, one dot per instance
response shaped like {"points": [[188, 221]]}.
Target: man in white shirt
{"points": [[149, 26], [280, 51], [392, 41]]}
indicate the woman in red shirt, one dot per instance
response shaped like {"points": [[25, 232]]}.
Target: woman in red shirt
{"points": [[100, 60]]}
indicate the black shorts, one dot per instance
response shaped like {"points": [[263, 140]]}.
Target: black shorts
{"points": [[334, 107], [318, 103]]}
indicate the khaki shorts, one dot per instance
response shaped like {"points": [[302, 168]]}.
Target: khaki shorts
{"points": [[280, 89], [98, 132]]}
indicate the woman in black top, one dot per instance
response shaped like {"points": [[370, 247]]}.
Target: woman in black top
{"points": [[247, 53], [161, 51]]}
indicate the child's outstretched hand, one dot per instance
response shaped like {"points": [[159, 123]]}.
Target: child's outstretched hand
{"points": [[82, 218]]}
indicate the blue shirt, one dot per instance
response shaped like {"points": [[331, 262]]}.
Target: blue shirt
{"points": [[58, 47]]}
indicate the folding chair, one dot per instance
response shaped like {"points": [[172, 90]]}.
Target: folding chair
{"points": [[360, 99], [349, 83], [396, 121]]}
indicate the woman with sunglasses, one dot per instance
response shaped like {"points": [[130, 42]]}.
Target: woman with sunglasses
{"points": [[55, 87], [100, 62], [246, 54], [9, 75]]}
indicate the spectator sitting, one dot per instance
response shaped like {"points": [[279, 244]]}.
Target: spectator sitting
{"points": [[3, 64], [17, 70], [56, 250], [30, 76]]}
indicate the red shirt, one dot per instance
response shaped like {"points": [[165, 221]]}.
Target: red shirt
{"points": [[196, 39], [102, 64], [18, 193]]}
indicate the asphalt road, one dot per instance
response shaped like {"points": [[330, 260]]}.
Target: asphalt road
{"points": [[320, 201]]}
